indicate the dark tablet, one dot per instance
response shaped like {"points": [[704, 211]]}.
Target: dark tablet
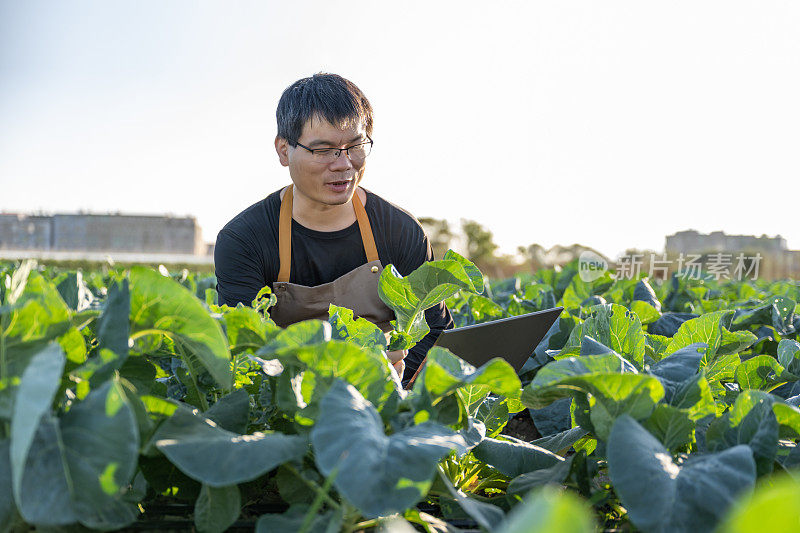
{"points": [[514, 339]]}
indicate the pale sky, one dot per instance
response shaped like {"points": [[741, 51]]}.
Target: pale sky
{"points": [[609, 124]]}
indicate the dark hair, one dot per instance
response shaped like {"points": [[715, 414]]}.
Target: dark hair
{"points": [[326, 96]]}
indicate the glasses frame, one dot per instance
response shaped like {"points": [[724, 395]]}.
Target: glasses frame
{"points": [[339, 151]]}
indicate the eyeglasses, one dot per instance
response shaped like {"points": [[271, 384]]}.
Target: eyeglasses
{"points": [[356, 153]]}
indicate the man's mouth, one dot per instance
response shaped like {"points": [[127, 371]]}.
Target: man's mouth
{"points": [[339, 185]]}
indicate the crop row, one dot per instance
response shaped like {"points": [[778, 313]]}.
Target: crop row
{"points": [[662, 406]]}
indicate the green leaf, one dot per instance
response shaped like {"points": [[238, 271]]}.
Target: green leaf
{"points": [[445, 372], [430, 284], [474, 274], [37, 317], [579, 291], [494, 413], [561, 441], [788, 417], [589, 346], [777, 312], [677, 367], [606, 395], [189, 440], [482, 309], [264, 299], [656, 346], [89, 458], [247, 330], [735, 342], [720, 369], [231, 412], [643, 292], [46, 504], [113, 327], [349, 436], [647, 313], [554, 475], [292, 520], [514, 458], [486, 515], [772, 507], [548, 510], [789, 355], [293, 484], [661, 496], [74, 291], [694, 397], [217, 509], [546, 385], [358, 331], [614, 326], [472, 396], [750, 421], [35, 394], [165, 478], [367, 370], [161, 305], [74, 346], [761, 372], [621, 394], [670, 425], [303, 333], [706, 328]]}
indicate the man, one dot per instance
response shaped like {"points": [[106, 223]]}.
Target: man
{"points": [[323, 239]]}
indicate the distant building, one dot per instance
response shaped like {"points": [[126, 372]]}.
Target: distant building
{"points": [[692, 241], [101, 233], [776, 261]]}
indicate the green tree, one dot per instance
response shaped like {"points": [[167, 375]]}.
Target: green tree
{"points": [[480, 242], [439, 235]]}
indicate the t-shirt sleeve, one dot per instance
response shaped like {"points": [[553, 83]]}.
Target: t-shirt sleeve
{"points": [[438, 317], [237, 267]]}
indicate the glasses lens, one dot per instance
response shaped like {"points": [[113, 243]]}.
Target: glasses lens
{"points": [[360, 152], [327, 155]]}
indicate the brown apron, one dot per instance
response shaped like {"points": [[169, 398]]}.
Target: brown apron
{"points": [[356, 290]]}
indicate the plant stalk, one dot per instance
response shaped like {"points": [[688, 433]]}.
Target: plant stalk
{"points": [[366, 523], [315, 506], [313, 486]]}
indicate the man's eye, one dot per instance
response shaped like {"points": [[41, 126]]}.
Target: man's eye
{"points": [[323, 151]]}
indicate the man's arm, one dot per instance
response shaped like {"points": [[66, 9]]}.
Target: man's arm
{"points": [[239, 271]]}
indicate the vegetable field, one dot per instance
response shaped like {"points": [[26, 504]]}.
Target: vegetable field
{"points": [[131, 399]]}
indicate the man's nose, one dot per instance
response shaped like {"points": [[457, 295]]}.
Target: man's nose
{"points": [[342, 162]]}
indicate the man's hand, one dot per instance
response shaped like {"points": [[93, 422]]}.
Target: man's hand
{"points": [[397, 359]]}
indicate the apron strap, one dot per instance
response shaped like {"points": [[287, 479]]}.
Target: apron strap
{"points": [[285, 233], [366, 229], [285, 236]]}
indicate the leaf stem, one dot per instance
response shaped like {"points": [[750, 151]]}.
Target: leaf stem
{"points": [[143, 332], [313, 486], [469, 475], [366, 523], [315, 506]]}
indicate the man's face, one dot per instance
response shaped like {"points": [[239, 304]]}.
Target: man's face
{"points": [[323, 183]]}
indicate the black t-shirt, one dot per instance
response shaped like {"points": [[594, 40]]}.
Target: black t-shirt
{"points": [[246, 256]]}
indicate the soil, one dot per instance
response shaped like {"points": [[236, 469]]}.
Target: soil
{"points": [[521, 427]]}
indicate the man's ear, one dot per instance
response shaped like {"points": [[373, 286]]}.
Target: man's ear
{"points": [[282, 147]]}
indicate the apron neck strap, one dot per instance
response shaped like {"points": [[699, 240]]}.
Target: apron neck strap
{"points": [[366, 229], [285, 233]]}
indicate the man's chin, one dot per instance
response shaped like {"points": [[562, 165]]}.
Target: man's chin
{"points": [[340, 197]]}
